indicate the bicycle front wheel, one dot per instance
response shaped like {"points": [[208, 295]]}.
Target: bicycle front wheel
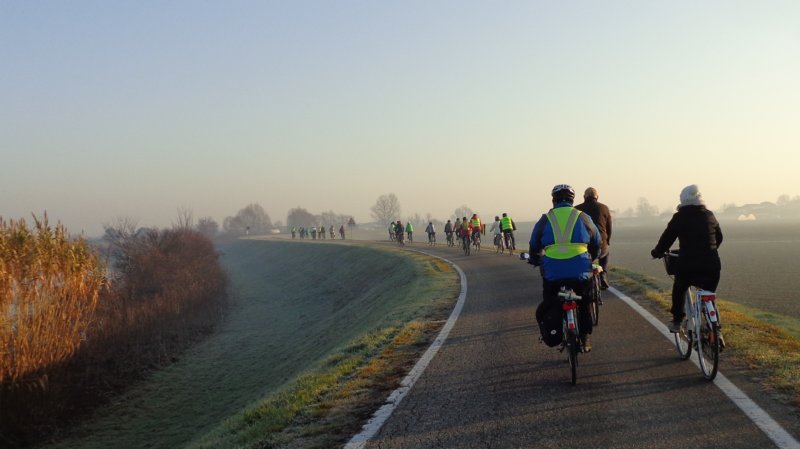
{"points": [[594, 310], [708, 347]]}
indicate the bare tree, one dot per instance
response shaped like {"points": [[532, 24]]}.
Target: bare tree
{"points": [[386, 209], [208, 227], [300, 217], [417, 221], [185, 218], [251, 219], [463, 211], [645, 209]]}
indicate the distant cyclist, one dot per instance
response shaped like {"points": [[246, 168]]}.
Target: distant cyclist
{"points": [[476, 225], [496, 231], [398, 231], [465, 230], [601, 217], [508, 227], [410, 232], [699, 236], [448, 231], [392, 226], [431, 231]]}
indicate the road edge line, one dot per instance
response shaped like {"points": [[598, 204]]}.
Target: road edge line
{"points": [[371, 428], [759, 417]]}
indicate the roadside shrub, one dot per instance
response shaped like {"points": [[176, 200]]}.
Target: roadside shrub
{"points": [[74, 330]]}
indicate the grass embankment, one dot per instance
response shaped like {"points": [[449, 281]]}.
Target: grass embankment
{"points": [[767, 343], [318, 336]]}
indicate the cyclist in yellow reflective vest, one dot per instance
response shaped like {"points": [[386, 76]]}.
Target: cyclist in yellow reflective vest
{"points": [[475, 224], [563, 243], [507, 226]]}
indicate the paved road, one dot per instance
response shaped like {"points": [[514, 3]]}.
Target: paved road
{"points": [[494, 385]]}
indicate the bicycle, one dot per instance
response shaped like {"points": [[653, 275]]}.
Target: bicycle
{"points": [[465, 243], [571, 341], [399, 237], [450, 240], [701, 328], [432, 239], [509, 243], [476, 240], [499, 245], [595, 291]]}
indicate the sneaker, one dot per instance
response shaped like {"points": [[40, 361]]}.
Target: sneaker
{"points": [[587, 343], [674, 326]]}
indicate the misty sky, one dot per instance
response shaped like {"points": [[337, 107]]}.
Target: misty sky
{"points": [[137, 108]]}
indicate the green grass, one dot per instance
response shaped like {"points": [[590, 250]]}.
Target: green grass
{"points": [[321, 333], [766, 343], [305, 316]]}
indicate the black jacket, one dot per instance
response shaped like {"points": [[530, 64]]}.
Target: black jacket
{"points": [[601, 217], [699, 236]]}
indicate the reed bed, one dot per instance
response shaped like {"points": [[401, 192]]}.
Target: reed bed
{"points": [[49, 290]]}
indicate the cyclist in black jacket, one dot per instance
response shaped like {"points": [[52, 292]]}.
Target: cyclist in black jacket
{"points": [[601, 217], [699, 236]]}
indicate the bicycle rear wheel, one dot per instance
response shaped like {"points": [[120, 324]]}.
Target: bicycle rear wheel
{"points": [[708, 347], [466, 244], [684, 338], [572, 355]]}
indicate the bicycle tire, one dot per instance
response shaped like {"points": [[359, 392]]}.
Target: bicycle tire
{"points": [[708, 347], [684, 338], [572, 355], [594, 310], [465, 243]]}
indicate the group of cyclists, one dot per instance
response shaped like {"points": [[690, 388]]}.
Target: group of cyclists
{"points": [[467, 231], [313, 233], [567, 239]]}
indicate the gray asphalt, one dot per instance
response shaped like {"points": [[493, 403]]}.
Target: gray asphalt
{"points": [[495, 385]]}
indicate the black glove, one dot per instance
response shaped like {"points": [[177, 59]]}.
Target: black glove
{"points": [[656, 254]]}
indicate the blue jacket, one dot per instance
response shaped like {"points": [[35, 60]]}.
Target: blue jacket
{"points": [[576, 268]]}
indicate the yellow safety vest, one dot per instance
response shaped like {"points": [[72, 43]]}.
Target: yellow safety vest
{"points": [[505, 223], [563, 221]]}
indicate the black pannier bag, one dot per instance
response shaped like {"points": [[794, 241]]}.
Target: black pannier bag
{"points": [[548, 315]]}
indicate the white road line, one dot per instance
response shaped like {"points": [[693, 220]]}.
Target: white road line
{"points": [[760, 418], [379, 417]]}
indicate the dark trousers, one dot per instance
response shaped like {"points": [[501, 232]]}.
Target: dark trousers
{"points": [[706, 281], [550, 293], [513, 242]]}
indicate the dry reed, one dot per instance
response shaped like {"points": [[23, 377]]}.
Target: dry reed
{"points": [[49, 289]]}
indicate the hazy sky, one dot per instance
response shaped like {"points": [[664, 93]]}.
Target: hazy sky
{"points": [[135, 109]]}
